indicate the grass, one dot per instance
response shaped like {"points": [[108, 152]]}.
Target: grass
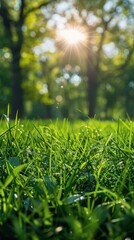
{"points": [[62, 180]]}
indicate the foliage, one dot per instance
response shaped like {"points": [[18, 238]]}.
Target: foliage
{"points": [[110, 50], [23, 29], [62, 180], [27, 28]]}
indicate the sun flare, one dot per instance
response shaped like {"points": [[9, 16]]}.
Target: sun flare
{"points": [[72, 36]]}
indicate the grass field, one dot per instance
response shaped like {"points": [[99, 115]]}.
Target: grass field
{"points": [[62, 180]]}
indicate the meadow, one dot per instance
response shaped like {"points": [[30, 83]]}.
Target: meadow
{"points": [[66, 180]]}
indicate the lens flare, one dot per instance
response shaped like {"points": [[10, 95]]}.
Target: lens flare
{"points": [[73, 41], [72, 36]]}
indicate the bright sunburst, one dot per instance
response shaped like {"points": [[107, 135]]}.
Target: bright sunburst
{"points": [[72, 36], [73, 40]]}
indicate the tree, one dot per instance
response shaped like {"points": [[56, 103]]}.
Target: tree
{"points": [[13, 16], [103, 21]]}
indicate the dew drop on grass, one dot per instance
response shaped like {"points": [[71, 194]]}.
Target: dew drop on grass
{"points": [[15, 195], [59, 229]]}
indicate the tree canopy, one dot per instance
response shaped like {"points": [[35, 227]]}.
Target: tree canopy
{"points": [[46, 71]]}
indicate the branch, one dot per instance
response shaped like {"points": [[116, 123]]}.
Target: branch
{"points": [[21, 16], [100, 47], [6, 20], [103, 38], [125, 64], [43, 4], [119, 71], [18, 26]]}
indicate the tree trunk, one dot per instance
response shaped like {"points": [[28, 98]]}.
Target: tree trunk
{"points": [[91, 85], [17, 91], [14, 27], [48, 111], [92, 88]]}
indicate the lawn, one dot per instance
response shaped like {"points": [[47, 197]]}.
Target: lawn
{"points": [[66, 180]]}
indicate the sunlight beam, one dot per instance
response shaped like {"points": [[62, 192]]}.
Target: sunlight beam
{"points": [[72, 36]]}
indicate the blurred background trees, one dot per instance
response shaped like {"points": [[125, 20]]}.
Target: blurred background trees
{"points": [[41, 76]]}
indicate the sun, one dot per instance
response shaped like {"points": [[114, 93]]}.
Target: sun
{"points": [[72, 36], [73, 42]]}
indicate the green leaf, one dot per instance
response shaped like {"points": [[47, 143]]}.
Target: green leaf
{"points": [[50, 184], [14, 174], [73, 199]]}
